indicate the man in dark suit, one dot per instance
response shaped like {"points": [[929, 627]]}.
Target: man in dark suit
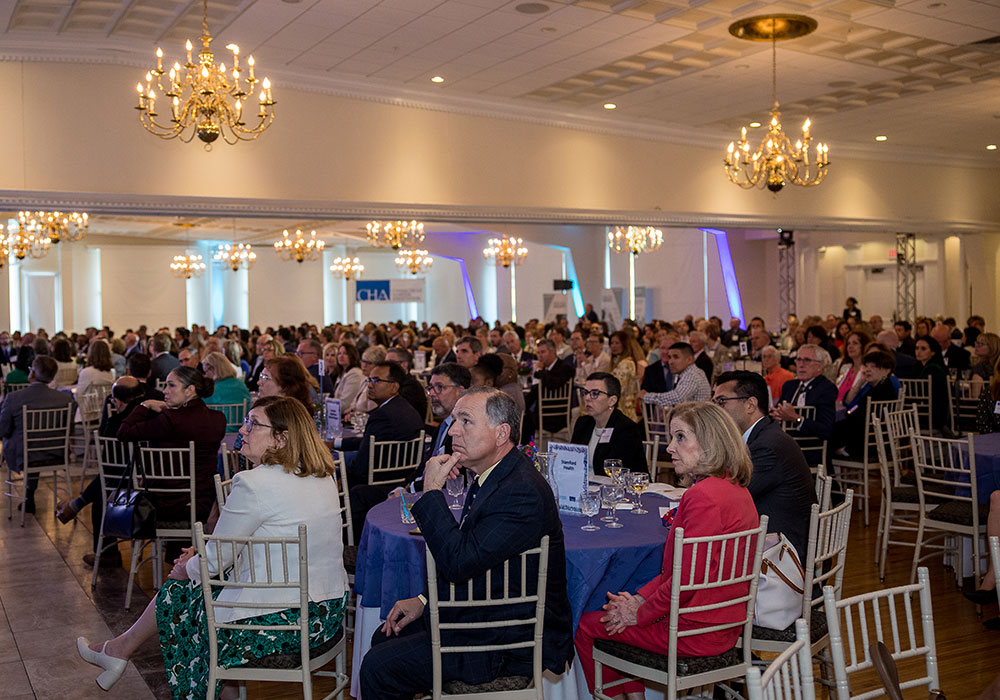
{"points": [[509, 509], [907, 344], [410, 389], [613, 434], [551, 373], [512, 341], [163, 362], [34, 396], [310, 351], [392, 419], [697, 340], [781, 485], [441, 352], [810, 388], [906, 365], [657, 378], [955, 356]]}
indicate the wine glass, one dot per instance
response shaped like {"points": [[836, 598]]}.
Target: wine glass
{"points": [[455, 488], [590, 505], [639, 482], [610, 495], [610, 465]]}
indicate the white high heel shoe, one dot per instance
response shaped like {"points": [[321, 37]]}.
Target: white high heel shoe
{"points": [[112, 665]]}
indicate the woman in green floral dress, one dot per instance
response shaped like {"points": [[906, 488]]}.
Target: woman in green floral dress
{"points": [[292, 484]]}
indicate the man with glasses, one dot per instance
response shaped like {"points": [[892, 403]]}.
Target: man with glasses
{"points": [[781, 485], [607, 432], [810, 388], [310, 351]]}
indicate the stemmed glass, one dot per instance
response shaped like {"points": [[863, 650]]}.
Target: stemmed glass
{"points": [[611, 467], [590, 505], [639, 482], [455, 488], [610, 495], [623, 477]]}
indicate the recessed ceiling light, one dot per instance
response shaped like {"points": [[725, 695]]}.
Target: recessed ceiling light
{"points": [[881, 138], [991, 147], [612, 105], [532, 8], [437, 79], [754, 125]]}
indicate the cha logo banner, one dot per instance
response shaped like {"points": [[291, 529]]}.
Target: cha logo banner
{"points": [[395, 291]]}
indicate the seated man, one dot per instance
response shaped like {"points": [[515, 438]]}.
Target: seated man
{"points": [[774, 374], [657, 377], [810, 388], [410, 389], [608, 433], [508, 509], [393, 418], [34, 396], [690, 383], [781, 485], [552, 373]]}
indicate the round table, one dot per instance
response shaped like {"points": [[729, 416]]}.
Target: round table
{"points": [[391, 567]]}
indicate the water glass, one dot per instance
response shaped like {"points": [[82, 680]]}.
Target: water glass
{"points": [[590, 505], [611, 494], [639, 482], [455, 488]]}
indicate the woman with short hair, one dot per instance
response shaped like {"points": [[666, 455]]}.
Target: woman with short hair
{"points": [[287, 376], [607, 432], [708, 450]]}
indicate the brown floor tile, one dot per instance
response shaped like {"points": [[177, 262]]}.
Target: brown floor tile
{"points": [[15, 680], [72, 677], [59, 643]]}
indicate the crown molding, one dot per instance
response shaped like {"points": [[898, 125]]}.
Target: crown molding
{"points": [[372, 90], [97, 203]]}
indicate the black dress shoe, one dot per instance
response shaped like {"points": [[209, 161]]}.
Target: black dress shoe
{"points": [[28, 506], [992, 624], [980, 596]]}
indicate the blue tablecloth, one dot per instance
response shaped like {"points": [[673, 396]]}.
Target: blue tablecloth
{"points": [[987, 448], [391, 561]]}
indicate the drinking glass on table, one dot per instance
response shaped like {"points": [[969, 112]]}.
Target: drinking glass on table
{"points": [[610, 495], [611, 466], [455, 488], [590, 505], [639, 482]]}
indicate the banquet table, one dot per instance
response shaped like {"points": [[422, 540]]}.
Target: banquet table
{"points": [[391, 567], [987, 449]]}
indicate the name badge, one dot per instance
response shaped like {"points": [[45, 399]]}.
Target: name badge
{"points": [[605, 433]]}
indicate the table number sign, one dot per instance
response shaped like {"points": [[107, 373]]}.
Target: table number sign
{"points": [[334, 428], [569, 469]]}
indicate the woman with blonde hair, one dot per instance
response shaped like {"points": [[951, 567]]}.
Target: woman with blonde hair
{"points": [[98, 369], [627, 365], [228, 387], [708, 451], [292, 483], [369, 358], [986, 352]]}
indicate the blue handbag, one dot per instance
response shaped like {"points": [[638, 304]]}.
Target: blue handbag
{"points": [[130, 513]]}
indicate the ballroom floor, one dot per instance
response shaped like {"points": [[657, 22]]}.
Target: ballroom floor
{"points": [[46, 602]]}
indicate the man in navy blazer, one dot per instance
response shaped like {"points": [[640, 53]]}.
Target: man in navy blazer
{"points": [[810, 388], [393, 419], [508, 510]]}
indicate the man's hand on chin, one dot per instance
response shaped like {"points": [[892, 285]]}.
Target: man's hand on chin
{"points": [[438, 470]]}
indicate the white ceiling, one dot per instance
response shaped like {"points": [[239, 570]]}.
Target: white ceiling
{"points": [[910, 69]]}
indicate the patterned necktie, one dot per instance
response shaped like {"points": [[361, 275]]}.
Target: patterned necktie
{"points": [[469, 498]]}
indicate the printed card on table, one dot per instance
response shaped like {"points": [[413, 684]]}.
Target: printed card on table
{"points": [[333, 424], [569, 466]]}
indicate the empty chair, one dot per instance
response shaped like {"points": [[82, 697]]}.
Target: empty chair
{"points": [[964, 404], [391, 461], [900, 505], [554, 412], [234, 413], [790, 676]]}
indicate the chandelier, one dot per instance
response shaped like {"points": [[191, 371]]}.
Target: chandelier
{"points": [[234, 256], [4, 249], [24, 241], [414, 261], [395, 234], [204, 102], [55, 225], [348, 268], [187, 266], [505, 251], [635, 239], [298, 247], [775, 163]]}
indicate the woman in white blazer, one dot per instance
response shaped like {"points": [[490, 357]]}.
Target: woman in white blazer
{"points": [[293, 483]]}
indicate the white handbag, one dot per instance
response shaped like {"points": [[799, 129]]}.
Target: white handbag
{"points": [[780, 586]]}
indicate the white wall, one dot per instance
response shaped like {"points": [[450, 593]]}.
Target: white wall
{"points": [[138, 288]]}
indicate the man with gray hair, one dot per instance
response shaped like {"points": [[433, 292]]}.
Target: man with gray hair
{"points": [[468, 350], [698, 340], [163, 362], [512, 341], [508, 509], [809, 388]]}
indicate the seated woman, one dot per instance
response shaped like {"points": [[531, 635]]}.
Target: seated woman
{"points": [[62, 353], [986, 354], [292, 484], [607, 432], [98, 369], [708, 449], [182, 417], [349, 380], [228, 387], [287, 376], [848, 368], [928, 354], [848, 436]]}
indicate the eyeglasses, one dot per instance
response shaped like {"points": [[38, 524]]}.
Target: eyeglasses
{"points": [[264, 377], [249, 423], [721, 400], [805, 359], [438, 388], [300, 353], [594, 393], [374, 381]]}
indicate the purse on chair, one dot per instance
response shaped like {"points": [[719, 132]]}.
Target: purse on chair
{"points": [[779, 590], [130, 513]]}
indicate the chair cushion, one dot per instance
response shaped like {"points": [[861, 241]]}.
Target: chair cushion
{"points": [[817, 630], [498, 685], [173, 524], [905, 494], [957, 512], [686, 665], [292, 661], [350, 558]]}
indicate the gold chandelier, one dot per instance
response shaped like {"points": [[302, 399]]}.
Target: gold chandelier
{"points": [[56, 225], [297, 247], [24, 241], [395, 234], [505, 251], [234, 256], [187, 266], [203, 100], [775, 163], [4, 249], [348, 268], [414, 261], [635, 239]]}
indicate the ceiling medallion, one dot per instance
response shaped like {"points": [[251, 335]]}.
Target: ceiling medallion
{"points": [[348, 268], [395, 234], [414, 261], [775, 162], [297, 247], [204, 102]]}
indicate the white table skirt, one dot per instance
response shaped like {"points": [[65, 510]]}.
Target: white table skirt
{"points": [[572, 685]]}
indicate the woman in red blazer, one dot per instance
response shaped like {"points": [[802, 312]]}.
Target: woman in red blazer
{"points": [[707, 448]]}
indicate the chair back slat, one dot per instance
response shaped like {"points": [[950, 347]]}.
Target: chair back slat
{"points": [[222, 490], [965, 404], [944, 470], [169, 471], [344, 494], [92, 404], [655, 422], [813, 448], [113, 457], [900, 426], [824, 489], [919, 393], [390, 461], [652, 448], [45, 435], [788, 677], [234, 413]]}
